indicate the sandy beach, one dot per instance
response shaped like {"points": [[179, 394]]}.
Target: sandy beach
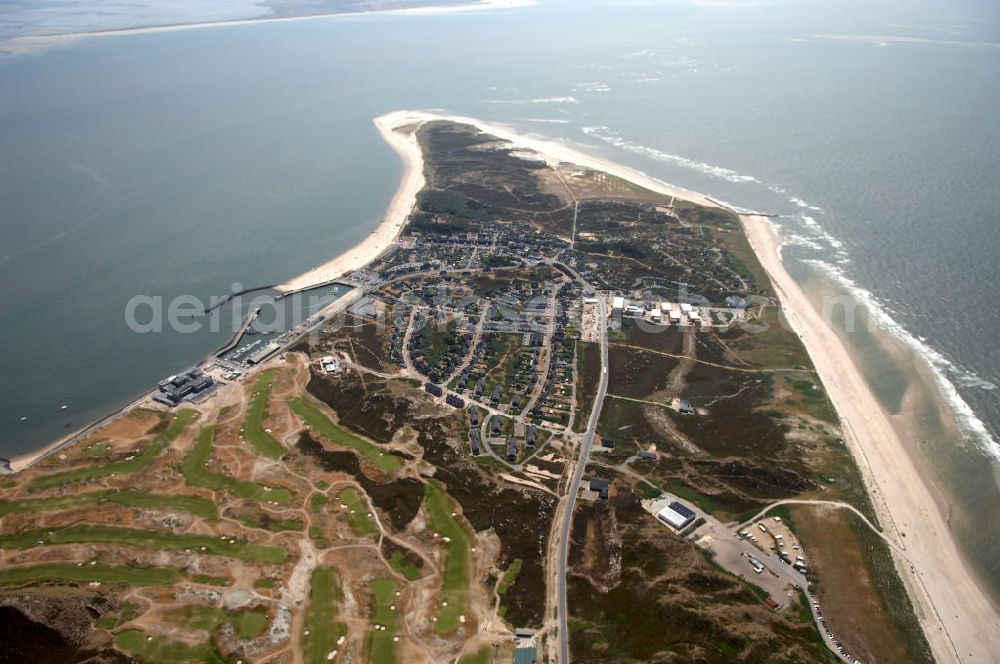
{"points": [[29, 43], [395, 216], [959, 620]]}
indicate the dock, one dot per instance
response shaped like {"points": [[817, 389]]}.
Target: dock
{"points": [[251, 317]]}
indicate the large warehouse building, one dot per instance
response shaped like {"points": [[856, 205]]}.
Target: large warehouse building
{"points": [[677, 515]]}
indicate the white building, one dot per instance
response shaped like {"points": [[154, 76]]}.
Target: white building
{"points": [[617, 303], [676, 515]]}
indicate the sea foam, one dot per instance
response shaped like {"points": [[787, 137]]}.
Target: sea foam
{"points": [[803, 230], [610, 136], [946, 372]]}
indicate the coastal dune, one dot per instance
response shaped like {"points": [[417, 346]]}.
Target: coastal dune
{"points": [[959, 619]]}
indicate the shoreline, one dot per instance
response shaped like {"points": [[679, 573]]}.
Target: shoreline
{"points": [[959, 620], [392, 223], [29, 43]]}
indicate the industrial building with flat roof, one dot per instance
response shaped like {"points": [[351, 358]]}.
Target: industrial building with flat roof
{"points": [[677, 515], [177, 388]]}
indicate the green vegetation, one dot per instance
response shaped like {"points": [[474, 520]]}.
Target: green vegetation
{"points": [[200, 507], [357, 512], [145, 539], [98, 449], [106, 622], [381, 647], [205, 579], [195, 474], [481, 657], [161, 650], [177, 426], [316, 501], [647, 490], [69, 572], [322, 425], [706, 503], [249, 624], [457, 564], [509, 577], [127, 466], [265, 583], [273, 525], [253, 425], [399, 563], [321, 631]]}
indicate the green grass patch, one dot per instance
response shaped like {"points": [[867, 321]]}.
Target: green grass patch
{"points": [[316, 501], [249, 624], [182, 419], [124, 467], [321, 629], [509, 577], [195, 474], [688, 493], [106, 622], [480, 657], [129, 611], [381, 647], [253, 424], [144, 539], [647, 490], [69, 572], [357, 513], [98, 449], [161, 650], [457, 563], [205, 579], [198, 506], [399, 563], [324, 426]]}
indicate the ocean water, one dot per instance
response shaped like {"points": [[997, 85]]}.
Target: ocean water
{"points": [[180, 163]]}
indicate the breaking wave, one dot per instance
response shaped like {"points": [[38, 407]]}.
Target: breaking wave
{"points": [[946, 372], [610, 136], [829, 255], [540, 100]]}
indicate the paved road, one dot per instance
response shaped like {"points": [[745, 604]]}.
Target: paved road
{"points": [[586, 443]]}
